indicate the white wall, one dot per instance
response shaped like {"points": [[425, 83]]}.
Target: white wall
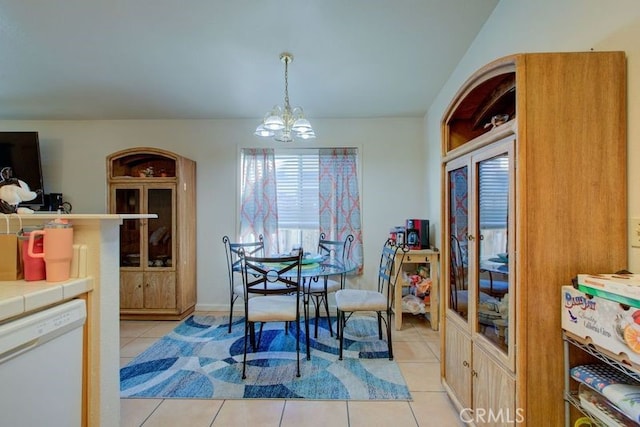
{"points": [[74, 153], [548, 26]]}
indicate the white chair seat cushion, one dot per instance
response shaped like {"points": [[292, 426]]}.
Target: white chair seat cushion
{"points": [[318, 286], [360, 300], [281, 308]]}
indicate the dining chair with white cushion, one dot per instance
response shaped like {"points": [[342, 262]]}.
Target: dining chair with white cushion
{"points": [[233, 250], [319, 288], [274, 283], [379, 301]]}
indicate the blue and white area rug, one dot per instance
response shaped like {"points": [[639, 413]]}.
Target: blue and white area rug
{"points": [[200, 359]]}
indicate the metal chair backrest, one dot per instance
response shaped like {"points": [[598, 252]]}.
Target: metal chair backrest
{"points": [[271, 275], [388, 272], [338, 250], [234, 250]]}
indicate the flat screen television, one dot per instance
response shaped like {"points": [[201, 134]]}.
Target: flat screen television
{"points": [[21, 152]]}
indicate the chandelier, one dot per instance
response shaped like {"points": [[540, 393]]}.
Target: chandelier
{"points": [[285, 123]]}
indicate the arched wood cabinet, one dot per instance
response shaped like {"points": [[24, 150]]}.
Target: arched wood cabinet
{"points": [[534, 192], [157, 256]]}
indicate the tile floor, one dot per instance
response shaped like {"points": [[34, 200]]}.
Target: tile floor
{"points": [[417, 352]]}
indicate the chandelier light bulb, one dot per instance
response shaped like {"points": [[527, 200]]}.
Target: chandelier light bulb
{"points": [[263, 132]]}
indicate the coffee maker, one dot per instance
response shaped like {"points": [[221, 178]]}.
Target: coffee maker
{"points": [[417, 233]]}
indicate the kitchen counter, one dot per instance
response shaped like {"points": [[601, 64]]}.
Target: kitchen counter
{"points": [[101, 235], [19, 297]]}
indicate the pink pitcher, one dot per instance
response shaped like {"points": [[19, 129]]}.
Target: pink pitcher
{"points": [[58, 249], [34, 268]]}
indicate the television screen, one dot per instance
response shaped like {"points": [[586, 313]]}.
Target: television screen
{"points": [[21, 152]]}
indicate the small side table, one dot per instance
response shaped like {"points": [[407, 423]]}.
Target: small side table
{"points": [[419, 256]]}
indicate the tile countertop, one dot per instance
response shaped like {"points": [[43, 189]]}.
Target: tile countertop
{"points": [[20, 297]]}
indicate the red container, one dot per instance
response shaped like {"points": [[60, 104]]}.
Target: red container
{"points": [[34, 268]]}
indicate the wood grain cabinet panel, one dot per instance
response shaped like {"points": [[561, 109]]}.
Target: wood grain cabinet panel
{"points": [[131, 290], [458, 364]]}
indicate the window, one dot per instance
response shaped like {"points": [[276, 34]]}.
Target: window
{"points": [[292, 196], [297, 185]]}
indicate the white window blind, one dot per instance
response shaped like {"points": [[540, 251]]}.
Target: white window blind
{"points": [[494, 192], [297, 185]]}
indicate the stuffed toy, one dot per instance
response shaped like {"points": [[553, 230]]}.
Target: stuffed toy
{"points": [[14, 191]]}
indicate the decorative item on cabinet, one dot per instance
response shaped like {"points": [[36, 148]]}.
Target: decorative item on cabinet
{"points": [[497, 120], [157, 256]]}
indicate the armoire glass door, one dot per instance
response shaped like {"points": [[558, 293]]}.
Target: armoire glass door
{"points": [[128, 201], [160, 229], [458, 199], [494, 197]]}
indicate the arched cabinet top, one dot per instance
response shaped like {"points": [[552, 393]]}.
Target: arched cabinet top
{"points": [[143, 162], [486, 99]]}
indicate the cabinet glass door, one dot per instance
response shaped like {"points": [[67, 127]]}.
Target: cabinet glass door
{"points": [[128, 201], [458, 228], [493, 191], [160, 230]]}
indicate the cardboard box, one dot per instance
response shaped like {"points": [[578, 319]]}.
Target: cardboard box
{"points": [[610, 325], [624, 288]]}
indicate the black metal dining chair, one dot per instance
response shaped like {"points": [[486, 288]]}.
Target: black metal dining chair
{"points": [[274, 283], [379, 301], [319, 288], [233, 251]]}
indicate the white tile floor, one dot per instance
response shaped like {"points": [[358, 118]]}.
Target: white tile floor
{"points": [[417, 352]]}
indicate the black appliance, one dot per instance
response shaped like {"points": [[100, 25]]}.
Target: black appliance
{"points": [[20, 151], [55, 201], [418, 234]]}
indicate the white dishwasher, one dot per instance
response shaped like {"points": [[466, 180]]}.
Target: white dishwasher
{"points": [[41, 367]]}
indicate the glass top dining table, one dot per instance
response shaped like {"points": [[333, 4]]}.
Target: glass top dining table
{"points": [[326, 267], [321, 267]]}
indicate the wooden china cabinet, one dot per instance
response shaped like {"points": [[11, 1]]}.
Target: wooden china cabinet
{"points": [[157, 256], [534, 192]]}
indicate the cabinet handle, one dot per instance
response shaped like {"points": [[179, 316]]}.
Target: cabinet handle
{"points": [[470, 237], [474, 373], [465, 364]]}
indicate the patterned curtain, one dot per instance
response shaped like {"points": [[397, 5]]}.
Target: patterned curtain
{"points": [[340, 199], [259, 208]]}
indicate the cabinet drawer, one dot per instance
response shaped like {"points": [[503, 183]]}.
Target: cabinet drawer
{"points": [[415, 258]]}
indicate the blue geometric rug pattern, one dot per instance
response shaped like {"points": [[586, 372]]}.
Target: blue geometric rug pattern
{"points": [[200, 359]]}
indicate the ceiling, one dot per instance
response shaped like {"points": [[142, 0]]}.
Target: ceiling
{"points": [[210, 59]]}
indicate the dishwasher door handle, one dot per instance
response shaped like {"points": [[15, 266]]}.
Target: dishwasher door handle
{"points": [[17, 351]]}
